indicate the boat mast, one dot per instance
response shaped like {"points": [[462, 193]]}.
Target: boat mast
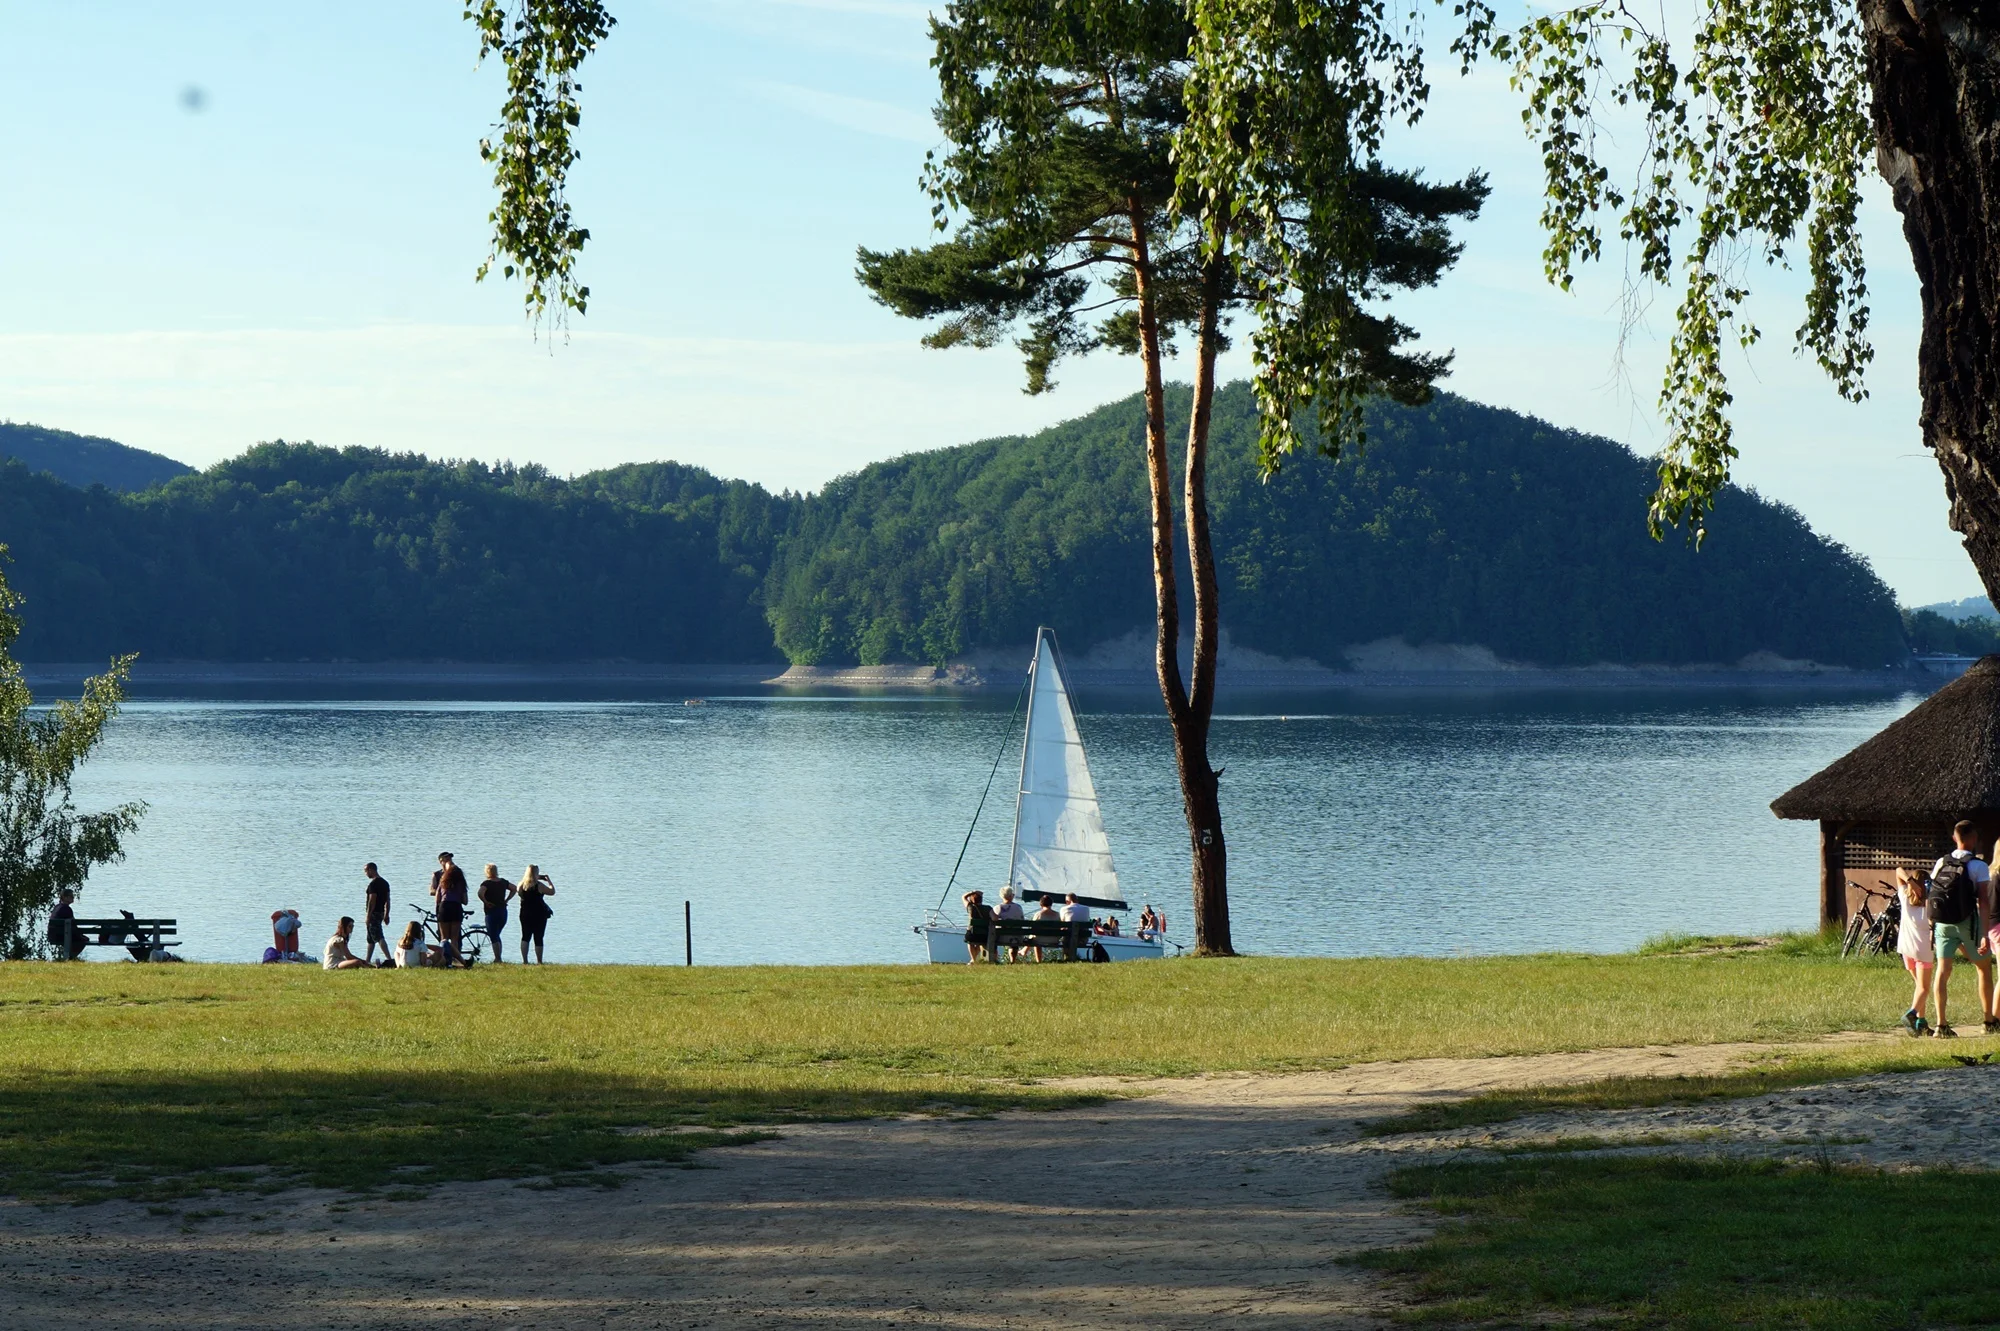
{"points": [[1021, 786]]}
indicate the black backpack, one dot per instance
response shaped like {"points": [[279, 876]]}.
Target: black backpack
{"points": [[1949, 896]]}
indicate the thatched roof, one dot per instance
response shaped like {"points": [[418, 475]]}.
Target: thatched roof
{"points": [[1942, 761]]}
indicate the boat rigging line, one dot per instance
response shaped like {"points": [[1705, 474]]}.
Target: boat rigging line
{"points": [[1006, 737]]}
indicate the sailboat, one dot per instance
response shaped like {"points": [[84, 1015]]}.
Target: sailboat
{"points": [[1059, 841]]}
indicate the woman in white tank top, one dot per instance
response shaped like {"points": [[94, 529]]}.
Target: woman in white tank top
{"points": [[1913, 940]]}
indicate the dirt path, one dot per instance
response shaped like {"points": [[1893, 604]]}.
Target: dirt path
{"points": [[1209, 1197]]}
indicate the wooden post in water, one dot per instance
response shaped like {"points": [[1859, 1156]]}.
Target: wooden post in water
{"points": [[687, 924]]}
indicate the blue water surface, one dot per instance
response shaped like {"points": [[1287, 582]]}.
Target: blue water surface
{"points": [[819, 828]]}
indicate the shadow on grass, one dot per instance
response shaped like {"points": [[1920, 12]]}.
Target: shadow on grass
{"points": [[1667, 1242], [85, 1138]]}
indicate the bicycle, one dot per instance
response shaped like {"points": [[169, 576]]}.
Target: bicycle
{"points": [[1871, 932], [472, 938]]}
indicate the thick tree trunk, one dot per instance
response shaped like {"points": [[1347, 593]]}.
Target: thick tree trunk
{"points": [[1201, 783], [1935, 71]]}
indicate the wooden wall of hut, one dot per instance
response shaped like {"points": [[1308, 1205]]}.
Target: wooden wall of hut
{"points": [[1857, 856]]}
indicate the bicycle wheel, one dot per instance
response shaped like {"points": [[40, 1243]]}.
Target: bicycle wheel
{"points": [[1855, 927], [472, 944]]}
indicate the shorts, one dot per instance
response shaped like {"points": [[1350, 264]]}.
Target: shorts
{"points": [[531, 930], [1953, 939], [450, 912], [1923, 963], [375, 934]]}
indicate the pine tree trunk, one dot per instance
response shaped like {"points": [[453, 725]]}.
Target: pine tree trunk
{"points": [[1187, 715], [1201, 783], [1936, 81]]}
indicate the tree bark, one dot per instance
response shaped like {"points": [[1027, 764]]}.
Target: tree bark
{"points": [[1187, 716], [1201, 784], [1935, 73]]}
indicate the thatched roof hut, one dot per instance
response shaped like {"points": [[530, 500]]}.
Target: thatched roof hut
{"points": [[1892, 802]]}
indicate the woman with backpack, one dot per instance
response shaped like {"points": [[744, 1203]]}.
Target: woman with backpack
{"points": [[1958, 888]]}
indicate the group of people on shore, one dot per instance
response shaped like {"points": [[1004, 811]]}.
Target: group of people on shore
{"points": [[451, 902], [1948, 915], [980, 918]]}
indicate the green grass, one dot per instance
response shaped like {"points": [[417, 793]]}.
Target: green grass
{"points": [[1664, 1242], [158, 1081]]}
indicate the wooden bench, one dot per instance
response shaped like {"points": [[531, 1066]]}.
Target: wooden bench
{"points": [[122, 931], [1039, 934]]}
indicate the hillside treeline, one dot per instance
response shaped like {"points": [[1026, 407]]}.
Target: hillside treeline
{"points": [[1458, 523], [293, 552]]}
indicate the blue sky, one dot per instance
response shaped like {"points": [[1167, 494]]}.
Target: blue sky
{"points": [[239, 221]]}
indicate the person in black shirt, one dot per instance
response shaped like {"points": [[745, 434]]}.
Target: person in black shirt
{"points": [[58, 932], [494, 894], [978, 927], [376, 912]]}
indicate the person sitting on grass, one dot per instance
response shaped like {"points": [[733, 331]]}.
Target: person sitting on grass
{"points": [[1960, 884], [978, 926], [411, 952], [338, 956], [1913, 941]]}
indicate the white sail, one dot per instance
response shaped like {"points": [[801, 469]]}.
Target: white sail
{"points": [[1059, 841]]}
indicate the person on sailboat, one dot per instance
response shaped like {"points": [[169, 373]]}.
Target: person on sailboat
{"points": [[978, 926], [1010, 909]]}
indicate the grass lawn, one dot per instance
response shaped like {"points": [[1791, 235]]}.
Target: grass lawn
{"points": [[162, 1080], [1662, 1242]]}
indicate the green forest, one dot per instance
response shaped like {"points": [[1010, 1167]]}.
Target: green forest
{"points": [[1457, 523]]}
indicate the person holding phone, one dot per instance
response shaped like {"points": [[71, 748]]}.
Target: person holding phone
{"points": [[534, 890]]}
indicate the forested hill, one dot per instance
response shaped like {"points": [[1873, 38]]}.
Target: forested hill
{"points": [[1459, 523], [293, 552], [85, 460]]}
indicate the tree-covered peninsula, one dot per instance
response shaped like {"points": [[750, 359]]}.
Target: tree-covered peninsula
{"points": [[1457, 523]]}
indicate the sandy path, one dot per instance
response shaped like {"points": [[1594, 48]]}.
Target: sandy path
{"points": [[1209, 1197]]}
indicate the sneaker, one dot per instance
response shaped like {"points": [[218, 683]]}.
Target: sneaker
{"points": [[1923, 1027], [1910, 1020], [1945, 1032], [1992, 1025]]}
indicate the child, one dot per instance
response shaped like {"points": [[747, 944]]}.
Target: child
{"points": [[1913, 940]]}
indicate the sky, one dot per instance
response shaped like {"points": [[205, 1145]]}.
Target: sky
{"points": [[242, 221]]}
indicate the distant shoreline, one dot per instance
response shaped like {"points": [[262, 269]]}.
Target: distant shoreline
{"points": [[155, 679]]}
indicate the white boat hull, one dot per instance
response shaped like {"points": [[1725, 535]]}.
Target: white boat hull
{"points": [[946, 945]]}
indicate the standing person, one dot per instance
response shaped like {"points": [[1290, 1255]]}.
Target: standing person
{"points": [[494, 894], [375, 909], [448, 891], [534, 889], [1913, 941], [1960, 884], [978, 926], [338, 956]]}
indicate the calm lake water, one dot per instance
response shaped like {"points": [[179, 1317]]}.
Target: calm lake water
{"points": [[818, 829]]}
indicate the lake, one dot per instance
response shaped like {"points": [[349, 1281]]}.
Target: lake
{"points": [[819, 828]]}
